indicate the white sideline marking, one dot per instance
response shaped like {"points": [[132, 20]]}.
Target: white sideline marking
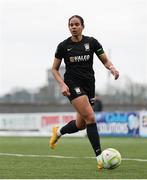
{"points": [[132, 159], [64, 157], [36, 155]]}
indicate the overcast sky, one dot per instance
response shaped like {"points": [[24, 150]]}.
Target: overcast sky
{"points": [[31, 29]]}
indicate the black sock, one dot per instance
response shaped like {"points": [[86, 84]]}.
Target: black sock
{"points": [[69, 128], [94, 139]]}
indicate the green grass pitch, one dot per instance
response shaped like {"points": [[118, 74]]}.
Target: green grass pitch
{"points": [[31, 158]]}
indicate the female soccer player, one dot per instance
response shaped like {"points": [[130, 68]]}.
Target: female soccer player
{"points": [[79, 82]]}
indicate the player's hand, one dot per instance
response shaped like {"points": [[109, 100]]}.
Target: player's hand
{"points": [[65, 90], [114, 72]]}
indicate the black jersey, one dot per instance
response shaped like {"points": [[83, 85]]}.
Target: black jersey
{"points": [[78, 57]]}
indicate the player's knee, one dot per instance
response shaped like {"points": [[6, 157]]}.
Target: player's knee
{"points": [[89, 118]]}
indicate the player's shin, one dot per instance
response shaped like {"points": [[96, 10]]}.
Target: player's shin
{"points": [[69, 128], [94, 139]]}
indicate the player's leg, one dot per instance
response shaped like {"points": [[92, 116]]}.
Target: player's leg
{"points": [[72, 127], [80, 122], [85, 110]]}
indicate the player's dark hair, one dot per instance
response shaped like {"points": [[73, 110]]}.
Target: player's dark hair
{"points": [[77, 16]]}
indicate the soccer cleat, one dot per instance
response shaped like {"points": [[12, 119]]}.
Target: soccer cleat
{"points": [[54, 138], [100, 165], [99, 162]]}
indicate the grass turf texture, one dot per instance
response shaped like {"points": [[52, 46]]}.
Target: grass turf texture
{"points": [[43, 167]]}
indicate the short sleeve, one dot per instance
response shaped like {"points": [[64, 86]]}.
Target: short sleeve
{"points": [[98, 49], [59, 51]]}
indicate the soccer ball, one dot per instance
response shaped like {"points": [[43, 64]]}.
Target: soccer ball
{"points": [[111, 158]]}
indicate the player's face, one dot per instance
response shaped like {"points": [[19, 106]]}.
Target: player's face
{"points": [[75, 27]]}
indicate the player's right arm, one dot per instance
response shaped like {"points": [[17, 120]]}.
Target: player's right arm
{"points": [[55, 71]]}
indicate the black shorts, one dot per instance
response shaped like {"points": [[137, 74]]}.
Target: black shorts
{"points": [[79, 88]]}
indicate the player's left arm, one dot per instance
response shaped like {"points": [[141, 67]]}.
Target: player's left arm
{"points": [[108, 64]]}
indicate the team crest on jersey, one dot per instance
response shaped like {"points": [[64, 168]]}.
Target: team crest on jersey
{"points": [[71, 59], [87, 48], [77, 89]]}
